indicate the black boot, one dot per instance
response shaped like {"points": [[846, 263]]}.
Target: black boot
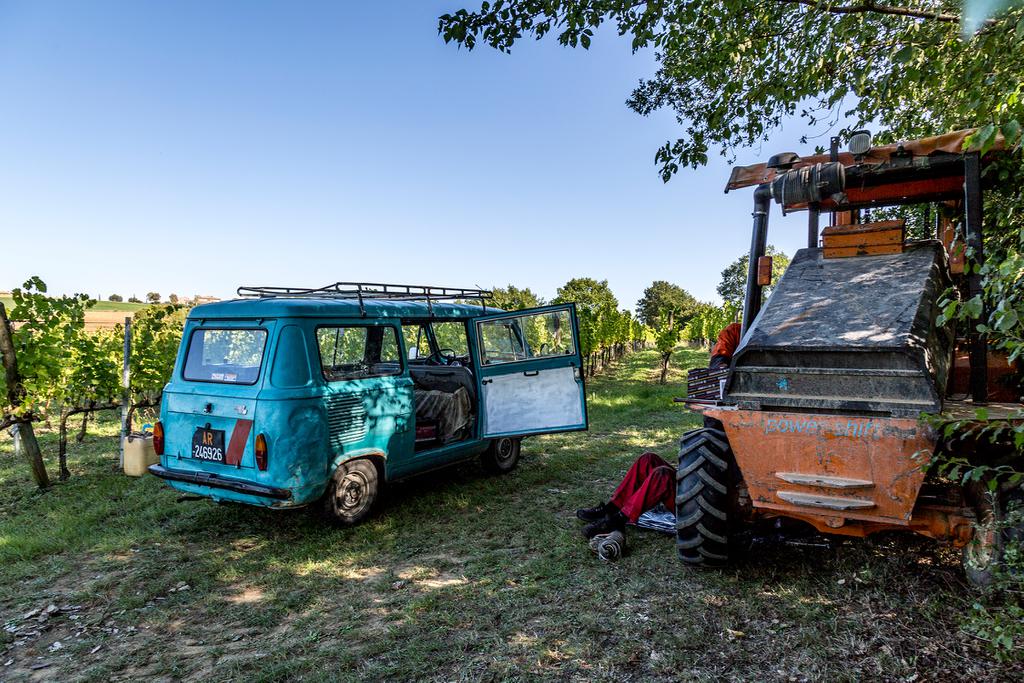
{"points": [[597, 512], [615, 521]]}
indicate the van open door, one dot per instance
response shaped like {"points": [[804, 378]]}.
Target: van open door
{"points": [[531, 372]]}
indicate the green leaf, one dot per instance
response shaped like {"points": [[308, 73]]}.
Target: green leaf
{"points": [[903, 55], [974, 306], [984, 138], [1011, 131]]}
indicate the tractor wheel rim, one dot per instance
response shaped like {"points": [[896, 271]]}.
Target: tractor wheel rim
{"points": [[981, 550]]}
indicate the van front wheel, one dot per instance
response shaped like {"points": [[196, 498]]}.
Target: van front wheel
{"points": [[502, 456], [352, 492]]}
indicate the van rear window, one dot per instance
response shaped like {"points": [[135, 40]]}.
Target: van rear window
{"points": [[228, 356]]}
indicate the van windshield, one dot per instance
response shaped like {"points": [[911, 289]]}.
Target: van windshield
{"points": [[228, 356]]}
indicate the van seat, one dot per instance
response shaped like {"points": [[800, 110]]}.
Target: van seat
{"points": [[447, 379]]}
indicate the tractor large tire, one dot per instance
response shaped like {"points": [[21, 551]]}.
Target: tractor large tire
{"points": [[998, 536], [705, 493]]}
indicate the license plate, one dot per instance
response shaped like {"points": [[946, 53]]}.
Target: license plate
{"points": [[208, 444]]}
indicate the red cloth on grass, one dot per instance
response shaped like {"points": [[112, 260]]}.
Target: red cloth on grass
{"points": [[649, 481]]}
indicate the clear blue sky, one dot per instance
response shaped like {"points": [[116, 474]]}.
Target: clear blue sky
{"points": [[194, 147]]}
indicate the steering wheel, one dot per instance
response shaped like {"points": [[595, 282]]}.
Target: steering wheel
{"points": [[447, 355]]}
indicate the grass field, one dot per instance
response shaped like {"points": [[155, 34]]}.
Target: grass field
{"points": [[461, 576]]}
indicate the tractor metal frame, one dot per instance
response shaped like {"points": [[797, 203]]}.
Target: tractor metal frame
{"points": [[917, 172]]}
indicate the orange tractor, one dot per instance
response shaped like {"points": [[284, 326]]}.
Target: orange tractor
{"points": [[825, 415]]}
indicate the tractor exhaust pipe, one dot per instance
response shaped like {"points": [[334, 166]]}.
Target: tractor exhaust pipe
{"points": [[758, 244]]}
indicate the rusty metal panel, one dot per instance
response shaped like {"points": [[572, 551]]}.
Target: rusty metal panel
{"points": [[835, 468], [949, 143]]}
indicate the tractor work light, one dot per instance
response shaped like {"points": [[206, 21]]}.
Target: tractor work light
{"points": [[860, 142]]}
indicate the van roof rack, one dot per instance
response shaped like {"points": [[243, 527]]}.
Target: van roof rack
{"points": [[361, 291]]}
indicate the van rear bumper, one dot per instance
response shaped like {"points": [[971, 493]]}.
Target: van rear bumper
{"points": [[217, 482]]}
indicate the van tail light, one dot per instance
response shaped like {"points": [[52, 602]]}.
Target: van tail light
{"points": [[158, 438], [261, 452]]}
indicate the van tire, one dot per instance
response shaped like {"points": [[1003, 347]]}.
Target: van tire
{"points": [[502, 456], [352, 493], [705, 485]]}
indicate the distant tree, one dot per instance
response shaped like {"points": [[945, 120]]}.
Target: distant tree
{"points": [[595, 305], [173, 298], [153, 297], [115, 297], [667, 308], [667, 333], [704, 326], [662, 297], [512, 298], [134, 299], [734, 278]]}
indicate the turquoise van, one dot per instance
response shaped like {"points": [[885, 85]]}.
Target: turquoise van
{"points": [[289, 397]]}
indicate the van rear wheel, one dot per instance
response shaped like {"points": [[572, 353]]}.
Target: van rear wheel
{"points": [[352, 492], [502, 456]]}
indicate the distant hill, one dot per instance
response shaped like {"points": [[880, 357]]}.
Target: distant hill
{"points": [[100, 305], [105, 314]]}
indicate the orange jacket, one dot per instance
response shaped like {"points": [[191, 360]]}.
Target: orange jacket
{"points": [[728, 340]]}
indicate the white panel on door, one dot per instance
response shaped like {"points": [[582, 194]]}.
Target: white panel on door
{"points": [[520, 402]]}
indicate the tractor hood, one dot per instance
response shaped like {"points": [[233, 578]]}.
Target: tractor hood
{"points": [[849, 334]]}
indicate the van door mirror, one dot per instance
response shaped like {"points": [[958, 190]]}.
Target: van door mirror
{"points": [[414, 353]]}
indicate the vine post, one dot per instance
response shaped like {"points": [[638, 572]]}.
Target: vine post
{"points": [[126, 396], [24, 437]]}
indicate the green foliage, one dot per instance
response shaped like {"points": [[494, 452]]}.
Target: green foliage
{"points": [[153, 297], [1000, 625], [65, 367], [662, 297], [709, 321], [732, 288], [997, 618], [45, 335], [595, 304], [115, 297], [667, 333], [666, 308], [92, 369], [1005, 296], [733, 71], [156, 334], [512, 298]]}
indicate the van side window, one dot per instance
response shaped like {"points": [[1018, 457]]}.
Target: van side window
{"points": [[416, 340], [358, 352], [535, 335]]}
